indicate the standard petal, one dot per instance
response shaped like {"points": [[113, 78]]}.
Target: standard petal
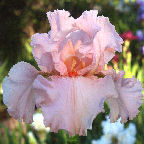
{"points": [[129, 98], [104, 41], [87, 22], [18, 92], [108, 36], [109, 40], [42, 48], [60, 22], [67, 51], [72, 103], [93, 49]]}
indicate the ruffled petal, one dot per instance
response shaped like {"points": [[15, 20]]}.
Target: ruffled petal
{"points": [[42, 47], [58, 63], [18, 92], [109, 40], [92, 48], [87, 22], [129, 98], [108, 36], [72, 103], [103, 43], [60, 22], [67, 51]]}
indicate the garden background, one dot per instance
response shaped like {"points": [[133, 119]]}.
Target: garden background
{"points": [[20, 19]]}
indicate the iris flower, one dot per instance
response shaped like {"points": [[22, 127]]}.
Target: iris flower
{"points": [[72, 84]]}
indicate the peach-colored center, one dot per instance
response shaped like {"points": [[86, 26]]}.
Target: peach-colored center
{"points": [[73, 64]]}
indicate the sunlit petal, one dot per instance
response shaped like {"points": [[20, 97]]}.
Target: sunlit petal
{"points": [[18, 91], [72, 103]]}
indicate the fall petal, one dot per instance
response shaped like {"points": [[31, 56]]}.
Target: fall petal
{"points": [[129, 98], [18, 92], [72, 103]]}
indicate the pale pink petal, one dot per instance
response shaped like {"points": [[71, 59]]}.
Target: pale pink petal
{"points": [[103, 43], [73, 46], [108, 38], [75, 36], [42, 47], [18, 92], [45, 52], [46, 62], [91, 48], [79, 44], [61, 23], [129, 98], [40, 41], [58, 63], [102, 46], [87, 22], [72, 103], [67, 51]]}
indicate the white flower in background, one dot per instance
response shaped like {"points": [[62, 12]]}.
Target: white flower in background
{"points": [[38, 122], [115, 133], [114, 128], [128, 135], [31, 138]]}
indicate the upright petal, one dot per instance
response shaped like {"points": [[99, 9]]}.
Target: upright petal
{"points": [[42, 47], [18, 92], [60, 22], [67, 51], [45, 52], [72, 103], [108, 36], [92, 49], [87, 22], [104, 40], [129, 98], [105, 43], [109, 40]]}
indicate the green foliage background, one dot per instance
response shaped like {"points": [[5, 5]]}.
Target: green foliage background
{"points": [[19, 19]]}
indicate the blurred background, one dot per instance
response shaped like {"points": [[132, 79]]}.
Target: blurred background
{"points": [[20, 19]]}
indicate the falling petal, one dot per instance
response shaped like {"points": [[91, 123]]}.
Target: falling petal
{"points": [[18, 91], [72, 103], [129, 98]]}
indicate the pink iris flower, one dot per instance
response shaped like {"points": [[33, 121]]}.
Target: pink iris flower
{"points": [[72, 84]]}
